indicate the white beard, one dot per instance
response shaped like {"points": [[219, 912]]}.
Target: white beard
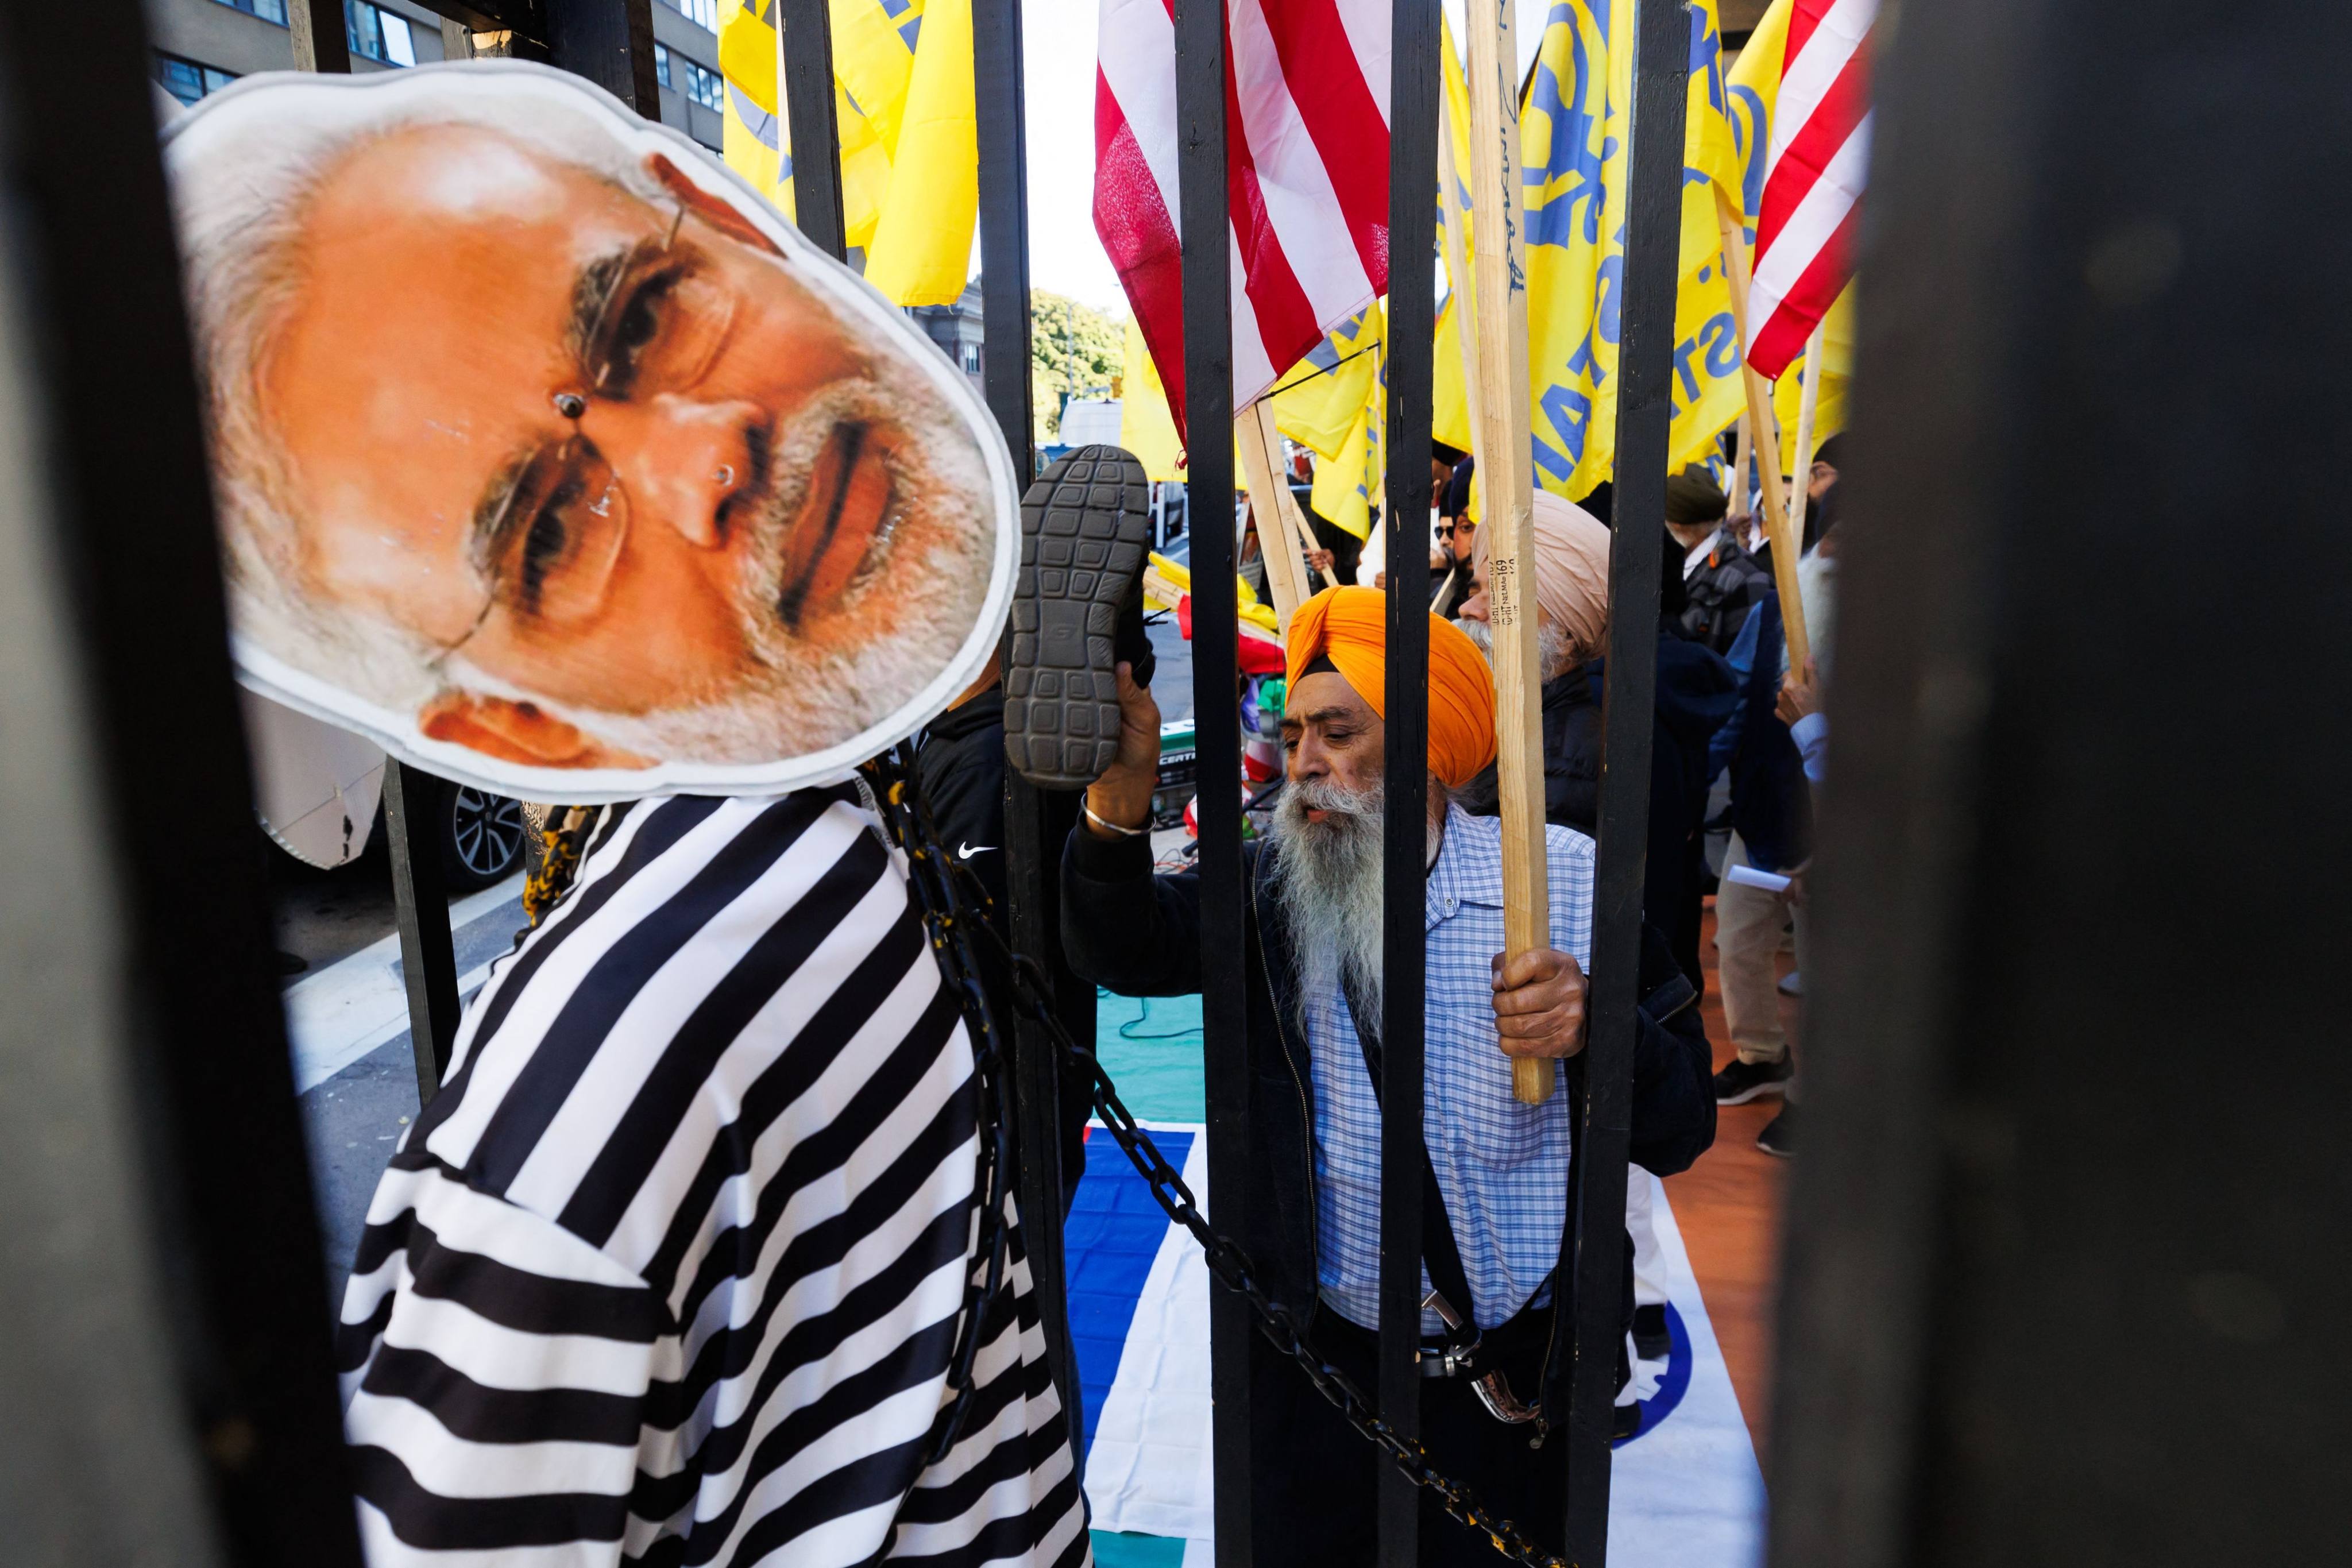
{"points": [[1552, 653], [1328, 876]]}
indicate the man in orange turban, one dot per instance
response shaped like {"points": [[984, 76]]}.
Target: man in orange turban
{"points": [[1346, 629], [1308, 1206]]}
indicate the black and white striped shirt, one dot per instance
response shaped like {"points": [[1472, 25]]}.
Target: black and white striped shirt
{"points": [[670, 1270]]}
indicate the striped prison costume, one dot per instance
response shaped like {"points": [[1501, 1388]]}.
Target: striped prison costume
{"points": [[670, 1270]]}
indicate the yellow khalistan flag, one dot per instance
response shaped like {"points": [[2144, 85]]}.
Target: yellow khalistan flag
{"points": [[1572, 136], [1346, 480], [909, 140], [1319, 400]]}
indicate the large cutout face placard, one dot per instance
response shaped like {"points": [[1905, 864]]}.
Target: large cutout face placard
{"points": [[552, 459]]}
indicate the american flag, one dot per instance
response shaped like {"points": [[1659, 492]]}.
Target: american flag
{"points": [[1814, 178], [1307, 153]]}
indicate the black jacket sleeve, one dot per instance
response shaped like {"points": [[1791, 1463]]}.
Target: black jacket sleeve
{"points": [[1673, 1067], [961, 775], [1124, 928]]}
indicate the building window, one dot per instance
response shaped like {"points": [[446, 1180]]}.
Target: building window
{"points": [[682, 75], [705, 12], [378, 35], [188, 81], [972, 358], [267, 10]]}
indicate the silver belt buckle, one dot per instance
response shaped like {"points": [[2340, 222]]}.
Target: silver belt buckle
{"points": [[1494, 1390], [1443, 1361]]}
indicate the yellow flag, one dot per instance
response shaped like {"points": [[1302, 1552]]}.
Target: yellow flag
{"points": [[1347, 482], [908, 137], [1573, 140], [1342, 495], [1754, 89], [752, 137], [1449, 404], [1449, 389], [921, 250], [1318, 400], [1145, 427]]}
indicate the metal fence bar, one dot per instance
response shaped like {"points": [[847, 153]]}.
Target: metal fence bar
{"points": [[320, 43], [420, 897], [609, 42], [420, 904], [1412, 235], [1596, 1260], [207, 1086], [2066, 1125], [809, 116], [1216, 709], [1036, 822]]}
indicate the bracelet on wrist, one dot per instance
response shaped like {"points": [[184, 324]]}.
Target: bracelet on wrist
{"points": [[1111, 827]]}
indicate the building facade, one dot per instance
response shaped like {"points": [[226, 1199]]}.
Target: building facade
{"points": [[956, 328], [202, 45]]}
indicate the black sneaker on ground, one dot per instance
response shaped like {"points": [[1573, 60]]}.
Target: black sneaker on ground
{"points": [[1651, 1340], [1779, 1134], [1743, 1081], [1085, 528]]}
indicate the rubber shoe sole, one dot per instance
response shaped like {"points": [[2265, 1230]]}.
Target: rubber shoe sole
{"points": [[1085, 527], [1777, 1086]]}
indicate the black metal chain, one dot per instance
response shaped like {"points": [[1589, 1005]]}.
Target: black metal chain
{"points": [[949, 891], [890, 780]]}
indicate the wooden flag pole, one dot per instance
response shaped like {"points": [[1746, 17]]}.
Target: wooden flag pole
{"points": [[1767, 437], [1309, 578], [1307, 540], [1741, 452], [1802, 472], [1506, 480], [1275, 548]]}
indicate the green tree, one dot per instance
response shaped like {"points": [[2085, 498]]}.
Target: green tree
{"points": [[1073, 349]]}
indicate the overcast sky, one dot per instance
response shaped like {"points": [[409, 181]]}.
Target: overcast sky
{"points": [[1058, 44]]}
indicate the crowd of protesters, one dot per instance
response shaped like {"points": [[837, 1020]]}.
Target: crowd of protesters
{"points": [[1737, 748]]}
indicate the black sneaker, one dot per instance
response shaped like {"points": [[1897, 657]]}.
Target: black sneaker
{"points": [[1780, 1136], [1085, 528], [1743, 1081], [1651, 1340]]}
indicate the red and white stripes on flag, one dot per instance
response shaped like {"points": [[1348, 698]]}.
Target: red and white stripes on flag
{"points": [[1307, 155], [1814, 178]]}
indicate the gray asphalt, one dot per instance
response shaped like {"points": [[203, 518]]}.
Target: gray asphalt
{"points": [[352, 1120]]}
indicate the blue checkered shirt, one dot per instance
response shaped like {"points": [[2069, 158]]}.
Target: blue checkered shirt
{"points": [[1502, 1166]]}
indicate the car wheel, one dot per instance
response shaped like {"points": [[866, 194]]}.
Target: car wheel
{"points": [[482, 837]]}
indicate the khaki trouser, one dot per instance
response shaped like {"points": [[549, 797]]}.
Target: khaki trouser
{"points": [[1748, 926]]}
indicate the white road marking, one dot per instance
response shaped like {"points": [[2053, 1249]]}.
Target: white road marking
{"points": [[349, 1008]]}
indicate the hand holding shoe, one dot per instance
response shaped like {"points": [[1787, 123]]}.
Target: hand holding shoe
{"points": [[1122, 796]]}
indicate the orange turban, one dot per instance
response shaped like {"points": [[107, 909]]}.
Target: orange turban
{"points": [[1350, 627]]}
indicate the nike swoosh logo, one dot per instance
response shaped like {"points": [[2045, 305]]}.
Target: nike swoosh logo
{"points": [[965, 851]]}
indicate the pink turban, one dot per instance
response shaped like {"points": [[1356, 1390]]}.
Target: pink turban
{"points": [[1571, 571]]}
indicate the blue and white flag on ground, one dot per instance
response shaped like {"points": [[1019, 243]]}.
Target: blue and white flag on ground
{"points": [[1686, 1491]]}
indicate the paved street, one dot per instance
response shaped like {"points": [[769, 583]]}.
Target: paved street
{"points": [[347, 1021]]}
